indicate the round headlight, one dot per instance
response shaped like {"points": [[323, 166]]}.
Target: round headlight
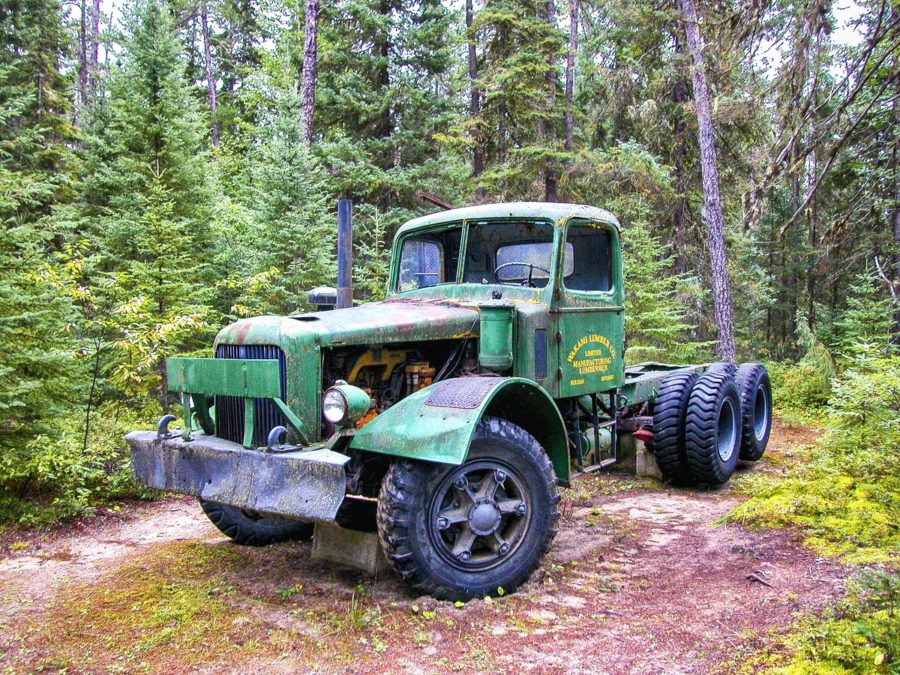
{"points": [[334, 406]]}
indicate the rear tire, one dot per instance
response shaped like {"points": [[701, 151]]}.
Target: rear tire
{"points": [[251, 529], [459, 532], [756, 409], [713, 428], [669, 413]]}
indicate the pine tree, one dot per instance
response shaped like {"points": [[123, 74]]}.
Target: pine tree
{"points": [[287, 244], [147, 206], [37, 370]]}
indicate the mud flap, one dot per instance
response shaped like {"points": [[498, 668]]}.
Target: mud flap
{"points": [[308, 485]]}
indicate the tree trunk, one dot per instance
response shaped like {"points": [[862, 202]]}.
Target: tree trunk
{"points": [[310, 66], [896, 207], [210, 80], [551, 180], [570, 75], [715, 224], [812, 216], [83, 76], [679, 155], [474, 105], [94, 45]]}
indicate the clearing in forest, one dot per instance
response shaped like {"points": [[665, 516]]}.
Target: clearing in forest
{"points": [[639, 579]]}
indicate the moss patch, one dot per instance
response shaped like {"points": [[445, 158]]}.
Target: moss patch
{"points": [[861, 634], [167, 610]]}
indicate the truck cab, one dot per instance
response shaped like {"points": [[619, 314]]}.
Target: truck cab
{"points": [[556, 267]]}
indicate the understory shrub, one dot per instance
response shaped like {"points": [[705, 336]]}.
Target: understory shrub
{"points": [[846, 498], [861, 634], [58, 477]]}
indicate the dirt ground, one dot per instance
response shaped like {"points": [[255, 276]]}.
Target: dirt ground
{"points": [[640, 579]]}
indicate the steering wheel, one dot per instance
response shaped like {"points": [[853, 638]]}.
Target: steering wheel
{"points": [[531, 268]]}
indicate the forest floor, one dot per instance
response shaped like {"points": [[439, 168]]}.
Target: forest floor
{"points": [[639, 579]]}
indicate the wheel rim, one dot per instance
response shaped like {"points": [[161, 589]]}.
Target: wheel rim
{"points": [[479, 515], [727, 430], [761, 413]]}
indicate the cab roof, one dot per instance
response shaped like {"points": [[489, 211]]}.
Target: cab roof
{"points": [[552, 211]]}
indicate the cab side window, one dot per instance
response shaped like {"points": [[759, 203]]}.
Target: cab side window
{"points": [[429, 260], [421, 264], [590, 247]]}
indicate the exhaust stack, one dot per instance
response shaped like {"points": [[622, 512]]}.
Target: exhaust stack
{"points": [[345, 254]]}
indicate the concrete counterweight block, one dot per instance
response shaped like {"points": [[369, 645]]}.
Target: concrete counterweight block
{"points": [[360, 550]]}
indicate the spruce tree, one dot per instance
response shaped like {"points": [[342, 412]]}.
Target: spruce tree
{"points": [[286, 244], [656, 327], [147, 205], [519, 78], [37, 371], [383, 95], [866, 324]]}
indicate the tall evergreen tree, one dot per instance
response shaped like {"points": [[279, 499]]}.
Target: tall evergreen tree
{"points": [[518, 77], [383, 95], [37, 372], [147, 202], [285, 245]]}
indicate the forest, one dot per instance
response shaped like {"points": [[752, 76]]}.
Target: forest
{"points": [[169, 166]]}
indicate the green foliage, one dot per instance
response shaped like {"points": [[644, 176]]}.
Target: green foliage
{"points": [[520, 112], [285, 236], [655, 323], [145, 211], [57, 477], [867, 322], [373, 256], [37, 371], [846, 498], [801, 390], [858, 635]]}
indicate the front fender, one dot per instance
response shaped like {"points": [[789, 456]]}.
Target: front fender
{"points": [[437, 423]]}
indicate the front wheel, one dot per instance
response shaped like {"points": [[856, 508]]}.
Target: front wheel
{"points": [[480, 528], [249, 528]]}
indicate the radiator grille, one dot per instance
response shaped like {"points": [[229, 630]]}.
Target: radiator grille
{"points": [[230, 409]]}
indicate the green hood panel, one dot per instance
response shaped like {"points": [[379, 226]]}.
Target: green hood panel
{"points": [[302, 337], [371, 324]]}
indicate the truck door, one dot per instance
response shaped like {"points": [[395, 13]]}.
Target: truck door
{"points": [[589, 309]]}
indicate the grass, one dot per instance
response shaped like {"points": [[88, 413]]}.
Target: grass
{"points": [[861, 634], [160, 613]]}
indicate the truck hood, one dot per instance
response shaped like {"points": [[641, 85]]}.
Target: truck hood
{"points": [[372, 323]]}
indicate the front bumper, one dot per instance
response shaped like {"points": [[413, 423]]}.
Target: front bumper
{"points": [[309, 485]]}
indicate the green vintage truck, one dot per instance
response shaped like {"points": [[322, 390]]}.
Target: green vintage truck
{"points": [[448, 415]]}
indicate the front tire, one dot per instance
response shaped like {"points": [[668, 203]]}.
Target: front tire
{"points": [[252, 529], [480, 528]]}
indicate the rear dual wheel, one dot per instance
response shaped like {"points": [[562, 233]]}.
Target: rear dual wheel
{"points": [[756, 409], [712, 428], [703, 425]]}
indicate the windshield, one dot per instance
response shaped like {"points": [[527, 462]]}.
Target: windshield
{"points": [[517, 253]]}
